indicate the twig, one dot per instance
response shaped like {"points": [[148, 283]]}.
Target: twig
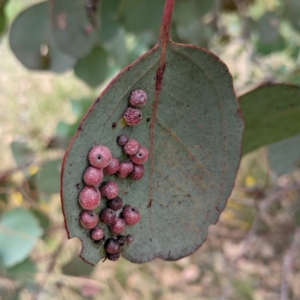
{"points": [[287, 264]]}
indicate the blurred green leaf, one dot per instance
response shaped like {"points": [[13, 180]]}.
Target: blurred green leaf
{"points": [[271, 113], [72, 27], [244, 289], [268, 27], [48, 177], [31, 41], [266, 48], [19, 231], [3, 21], [42, 218], [187, 11], [23, 271], [297, 217], [284, 156], [117, 49], [23, 155], [141, 15], [292, 12], [108, 20], [270, 39], [77, 267], [93, 68], [195, 32], [62, 129]]}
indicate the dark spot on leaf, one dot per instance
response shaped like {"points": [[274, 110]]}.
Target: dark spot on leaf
{"points": [[148, 119], [114, 124], [77, 185]]}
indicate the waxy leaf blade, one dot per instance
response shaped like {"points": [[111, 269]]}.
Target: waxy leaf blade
{"points": [[271, 113], [195, 129], [284, 156], [32, 43]]}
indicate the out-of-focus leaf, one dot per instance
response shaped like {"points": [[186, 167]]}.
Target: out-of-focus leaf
{"points": [[284, 156], [266, 48], [141, 15], [108, 21], [19, 231], [72, 27], [93, 68], [23, 271], [294, 78], [193, 136], [23, 155], [297, 217], [3, 21], [48, 177], [271, 113], [117, 48], [293, 12], [77, 267], [270, 39], [186, 11], [42, 218], [31, 41], [268, 26], [195, 33]]}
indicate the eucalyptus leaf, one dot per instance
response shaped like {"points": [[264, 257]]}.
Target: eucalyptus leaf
{"points": [[192, 127], [32, 43], [93, 68], [271, 113], [292, 12], [48, 177], [22, 154], [72, 27], [284, 156], [141, 15], [23, 271], [19, 231]]}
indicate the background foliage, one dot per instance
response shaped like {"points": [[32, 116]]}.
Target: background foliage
{"points": [[252, 253]]}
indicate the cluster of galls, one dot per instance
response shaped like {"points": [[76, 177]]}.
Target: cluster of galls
{"points": [[132, 114], [102, 162]]}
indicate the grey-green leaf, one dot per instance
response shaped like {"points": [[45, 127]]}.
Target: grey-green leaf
{"points": [[31, 41], [23, 155], [19, 231], [284, 156], [72, 27], [141, 15], [292, 12], [193, 133], [271, 113], [93, 68], [48, 177]]}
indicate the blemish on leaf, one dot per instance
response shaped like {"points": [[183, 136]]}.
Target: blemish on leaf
{"points": [[61, 21]]}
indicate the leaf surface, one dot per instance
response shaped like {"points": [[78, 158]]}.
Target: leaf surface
{"points": [[93, 68], [192, 127], [284, 156], [48, 177], [19, 231], [69, 20], [271, 113], [31, 41]]}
